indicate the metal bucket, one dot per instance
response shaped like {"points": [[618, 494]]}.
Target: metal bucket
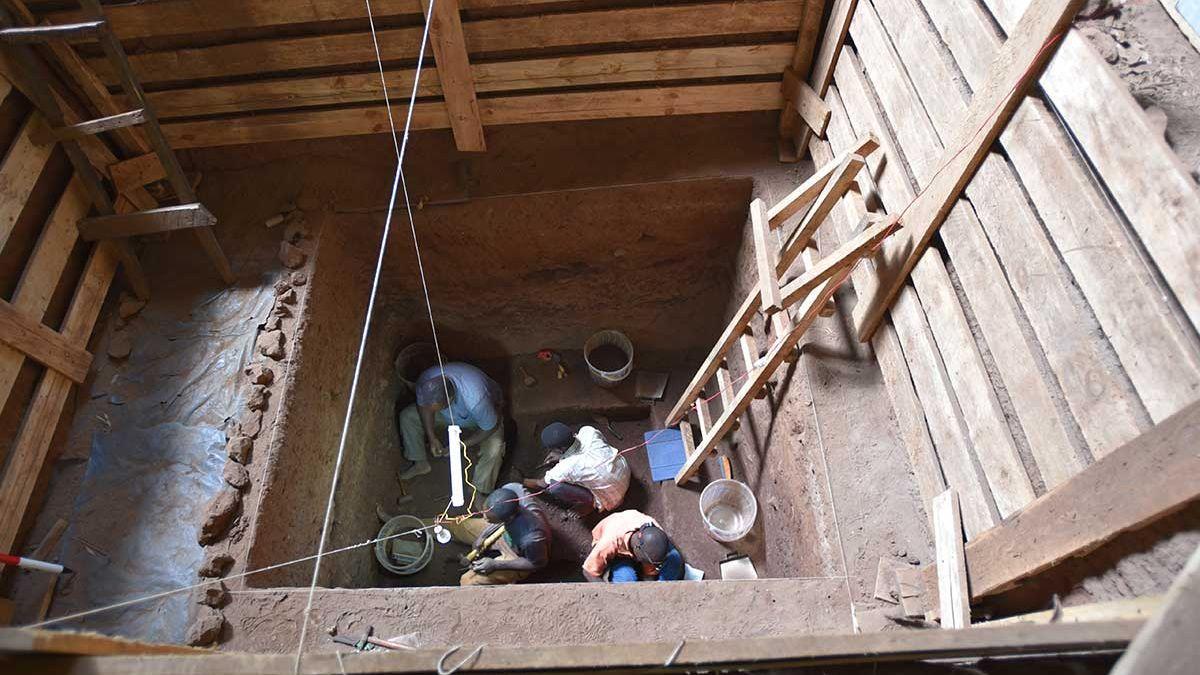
{"points": [[614, 338]]}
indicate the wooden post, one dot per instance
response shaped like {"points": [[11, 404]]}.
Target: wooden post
{"points": [[954, 598]]}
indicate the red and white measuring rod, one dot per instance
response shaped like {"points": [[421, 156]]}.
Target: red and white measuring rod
{"points": [[30, 564]]}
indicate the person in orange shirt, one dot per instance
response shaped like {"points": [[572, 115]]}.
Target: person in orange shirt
{"points": [[632, 547]]}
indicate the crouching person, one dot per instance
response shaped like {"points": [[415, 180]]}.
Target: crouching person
{"points": [[630, 546], [524, 548], [590, 474]]}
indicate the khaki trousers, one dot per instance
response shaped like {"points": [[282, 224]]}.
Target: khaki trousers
{"points": [[467, 532]]}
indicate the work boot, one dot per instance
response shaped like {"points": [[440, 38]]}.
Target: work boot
{"points": [[417, 469]]}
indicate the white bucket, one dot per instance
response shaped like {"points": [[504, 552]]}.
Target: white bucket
{"points": [[615, 338], [728, 508]]}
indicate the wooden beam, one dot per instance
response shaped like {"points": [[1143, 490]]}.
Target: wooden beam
{"points": [[1017, 66], [40, 641], [1152, 476], [733, 332], [33, 439], [536, 108], [802, 58], [757, 653], [807, 103], [492, 76], [130, 174], [100, 125], [840, 14], [454, 71], [765, 254], [489, 36], [798, 199], [1125, 609], [130, 139], [73, 32], [951, 565], [40, 343], [43, 272], [839, 183], [846, 255], [20, 171], [1166, 645], [162, 219]]}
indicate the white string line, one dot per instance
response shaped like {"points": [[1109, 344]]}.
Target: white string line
{"points": [[362, 344], [383, 80]]}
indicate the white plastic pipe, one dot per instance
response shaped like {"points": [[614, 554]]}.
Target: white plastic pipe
{"points": [[456, 466]]}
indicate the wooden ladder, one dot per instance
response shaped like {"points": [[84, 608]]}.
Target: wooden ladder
{"points": [[791, 306], [109, 224]]}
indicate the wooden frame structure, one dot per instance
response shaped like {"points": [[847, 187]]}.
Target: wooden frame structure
{"points": [[37, 76], [808, 294]]}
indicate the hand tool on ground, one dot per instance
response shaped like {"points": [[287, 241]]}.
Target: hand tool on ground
{"points": [[527, 379], [31, 564], [607, 423], [551, 356], [369, 642]]}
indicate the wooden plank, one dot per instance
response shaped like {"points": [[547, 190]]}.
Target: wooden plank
{"points": [[101, 125], [32, 640], [783, 346], [42, 344], [131, 140], [789, 651], [765, 257], [1146, 178], [1141, 608], [807, 103], [725, 382], [689, 442], [162, 219], [802, 57], [798, 199], [836, 29], [162, 19], [71, 32], [33, 440], [489, 36], [846, 255], [839, 183], [989, 432], [1166, 645], [1016, 66], [1152, 476], [454, 72], [19, 172], [1144, 329], [134, 173], [930, 379], [703, 415], [497, 76], [560, 107], [951, 563], [749, 348]]}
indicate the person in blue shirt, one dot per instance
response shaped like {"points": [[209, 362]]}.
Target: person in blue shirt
{"points": [[461, 394]]}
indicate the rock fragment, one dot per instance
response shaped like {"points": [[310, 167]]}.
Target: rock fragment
{"points": [[291, 256], [216, 565], [236, 475], [120, 345], [239, 448], [129, 306], [260, 373], [219, 515], [251, 425], [270, 344], [213, 595], [206, 627], [258, 398], [299, 278], [288, 297]]}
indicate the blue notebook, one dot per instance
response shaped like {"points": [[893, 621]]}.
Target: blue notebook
{"points": [[665, 450]]}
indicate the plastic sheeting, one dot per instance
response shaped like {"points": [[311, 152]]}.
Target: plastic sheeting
{"points": [[157, 425]]}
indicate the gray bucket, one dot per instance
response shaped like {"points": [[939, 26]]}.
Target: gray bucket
{"points": [[603, 372], [408, 554]]}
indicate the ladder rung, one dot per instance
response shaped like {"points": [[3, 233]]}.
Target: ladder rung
{"points": [[101, 125], [72, 32], [165, 219]]}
